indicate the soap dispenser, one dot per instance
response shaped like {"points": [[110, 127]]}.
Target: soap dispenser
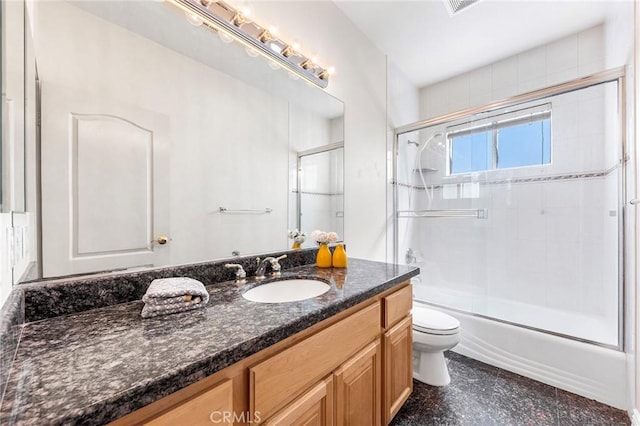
{"points": [[339, 256]]}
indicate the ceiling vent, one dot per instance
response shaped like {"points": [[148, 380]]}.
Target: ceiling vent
{"points": [[456, 6]]}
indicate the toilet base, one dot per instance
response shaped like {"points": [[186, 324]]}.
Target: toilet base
{"points": [[432, 369]]}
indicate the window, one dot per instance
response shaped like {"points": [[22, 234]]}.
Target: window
{"points": [[517, 139]]}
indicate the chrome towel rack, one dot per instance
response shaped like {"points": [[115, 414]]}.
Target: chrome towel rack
{"points": [[241, 211], [468, 213]]}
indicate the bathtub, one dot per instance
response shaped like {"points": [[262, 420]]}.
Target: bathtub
{"points": [[582, 368]]}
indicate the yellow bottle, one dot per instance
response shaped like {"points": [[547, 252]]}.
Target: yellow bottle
{"points": [[340, 257], [323, 259]]}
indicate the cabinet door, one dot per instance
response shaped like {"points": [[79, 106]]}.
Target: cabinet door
{"points": [[398, 366], [358, 388], [314, 408], [212, 406]]}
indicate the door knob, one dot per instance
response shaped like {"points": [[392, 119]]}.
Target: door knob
{"points": [[162, 240]]}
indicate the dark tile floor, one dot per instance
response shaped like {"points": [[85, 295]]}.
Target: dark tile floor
{"points": [[480, 394]]}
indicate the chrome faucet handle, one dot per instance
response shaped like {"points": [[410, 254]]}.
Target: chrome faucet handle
{"points": [[240, 273], [275, 265], [262, 267]]}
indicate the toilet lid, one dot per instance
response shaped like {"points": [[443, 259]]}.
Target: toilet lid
{"points": [[434, 322]]}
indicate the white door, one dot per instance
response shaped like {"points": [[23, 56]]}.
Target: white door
{"points": [[105, 183]]}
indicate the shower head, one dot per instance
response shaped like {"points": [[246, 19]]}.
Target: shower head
{"points": [[431, 143]]}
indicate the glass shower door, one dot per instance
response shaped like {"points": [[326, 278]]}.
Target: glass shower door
{"points": [[321, 193], [515, 213]]}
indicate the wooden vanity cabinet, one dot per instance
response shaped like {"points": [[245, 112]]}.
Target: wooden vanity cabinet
{"points": [[277, 380], [352, 369], [398, 351], [398, 371], [358, 388], [314, 408], [212, 406]]}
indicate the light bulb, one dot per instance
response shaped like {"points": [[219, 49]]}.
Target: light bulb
{"points": [[314, 59], [226, 38], [331, 70], [194, 19], [274, 47], [273, 30], [246, 11], [296, 45], [251, 52]]}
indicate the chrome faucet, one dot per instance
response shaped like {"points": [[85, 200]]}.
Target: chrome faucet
{"points": [[240, 273], [275, 266]]}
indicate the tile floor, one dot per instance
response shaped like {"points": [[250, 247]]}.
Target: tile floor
{"points": [[480, 394]]}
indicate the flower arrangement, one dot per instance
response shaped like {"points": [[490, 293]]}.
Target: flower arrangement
{"points": [[321, 237], [297, 236]]}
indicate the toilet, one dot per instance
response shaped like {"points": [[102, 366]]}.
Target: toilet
{"points": [[433, 333]]}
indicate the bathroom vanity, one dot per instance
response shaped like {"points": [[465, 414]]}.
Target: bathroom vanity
{"points": [[354, 368], [340, 358]]}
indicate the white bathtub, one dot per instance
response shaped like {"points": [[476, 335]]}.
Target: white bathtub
{"points": [[585, 369]]}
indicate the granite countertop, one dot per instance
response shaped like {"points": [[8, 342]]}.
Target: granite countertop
{"points": [[96, 366]]}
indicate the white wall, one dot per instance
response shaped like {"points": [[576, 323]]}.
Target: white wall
{"points": [[6, 276], [621, 44], [403, 108], [556, 62], [360, 82]]}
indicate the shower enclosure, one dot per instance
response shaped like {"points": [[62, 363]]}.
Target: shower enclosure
{"points": [[317, 199], [514, 211]]}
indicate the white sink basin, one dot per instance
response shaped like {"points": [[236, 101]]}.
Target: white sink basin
{"points": [[286, 291]]}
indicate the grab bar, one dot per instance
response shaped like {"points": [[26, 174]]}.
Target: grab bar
{"points": [[264, 211], [473, 213]]}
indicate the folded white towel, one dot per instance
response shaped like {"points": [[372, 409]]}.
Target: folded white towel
{"points": [[171, 295]]}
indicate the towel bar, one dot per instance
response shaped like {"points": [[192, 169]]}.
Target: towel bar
{"points": [[240, 211]]}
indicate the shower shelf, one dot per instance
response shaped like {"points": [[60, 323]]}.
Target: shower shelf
{"points": [[461, 213]]}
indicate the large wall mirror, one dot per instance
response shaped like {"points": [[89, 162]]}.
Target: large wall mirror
{"points": [[159, 143]]}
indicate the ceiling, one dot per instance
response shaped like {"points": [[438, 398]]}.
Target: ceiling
{"points": [[429, 45]]}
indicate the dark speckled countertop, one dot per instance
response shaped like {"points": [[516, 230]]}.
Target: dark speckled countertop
{"points": [[95, 366]]}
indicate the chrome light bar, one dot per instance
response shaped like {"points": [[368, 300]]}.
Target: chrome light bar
{"points": [[224, 18]]}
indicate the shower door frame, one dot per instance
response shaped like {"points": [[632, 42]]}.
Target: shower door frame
{"points": [[300, 156], [612, 75]]}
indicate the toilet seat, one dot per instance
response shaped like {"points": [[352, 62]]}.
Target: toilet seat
{"points": [[434, 322]]}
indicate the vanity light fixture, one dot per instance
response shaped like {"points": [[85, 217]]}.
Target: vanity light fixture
{"points": [[233, 24]]}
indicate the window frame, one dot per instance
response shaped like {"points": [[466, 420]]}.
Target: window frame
{"points": [[493, 124]]}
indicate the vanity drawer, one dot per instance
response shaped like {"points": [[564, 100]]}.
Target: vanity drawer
{"points": [[276, 381], [212, 406], [397, 306]]}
